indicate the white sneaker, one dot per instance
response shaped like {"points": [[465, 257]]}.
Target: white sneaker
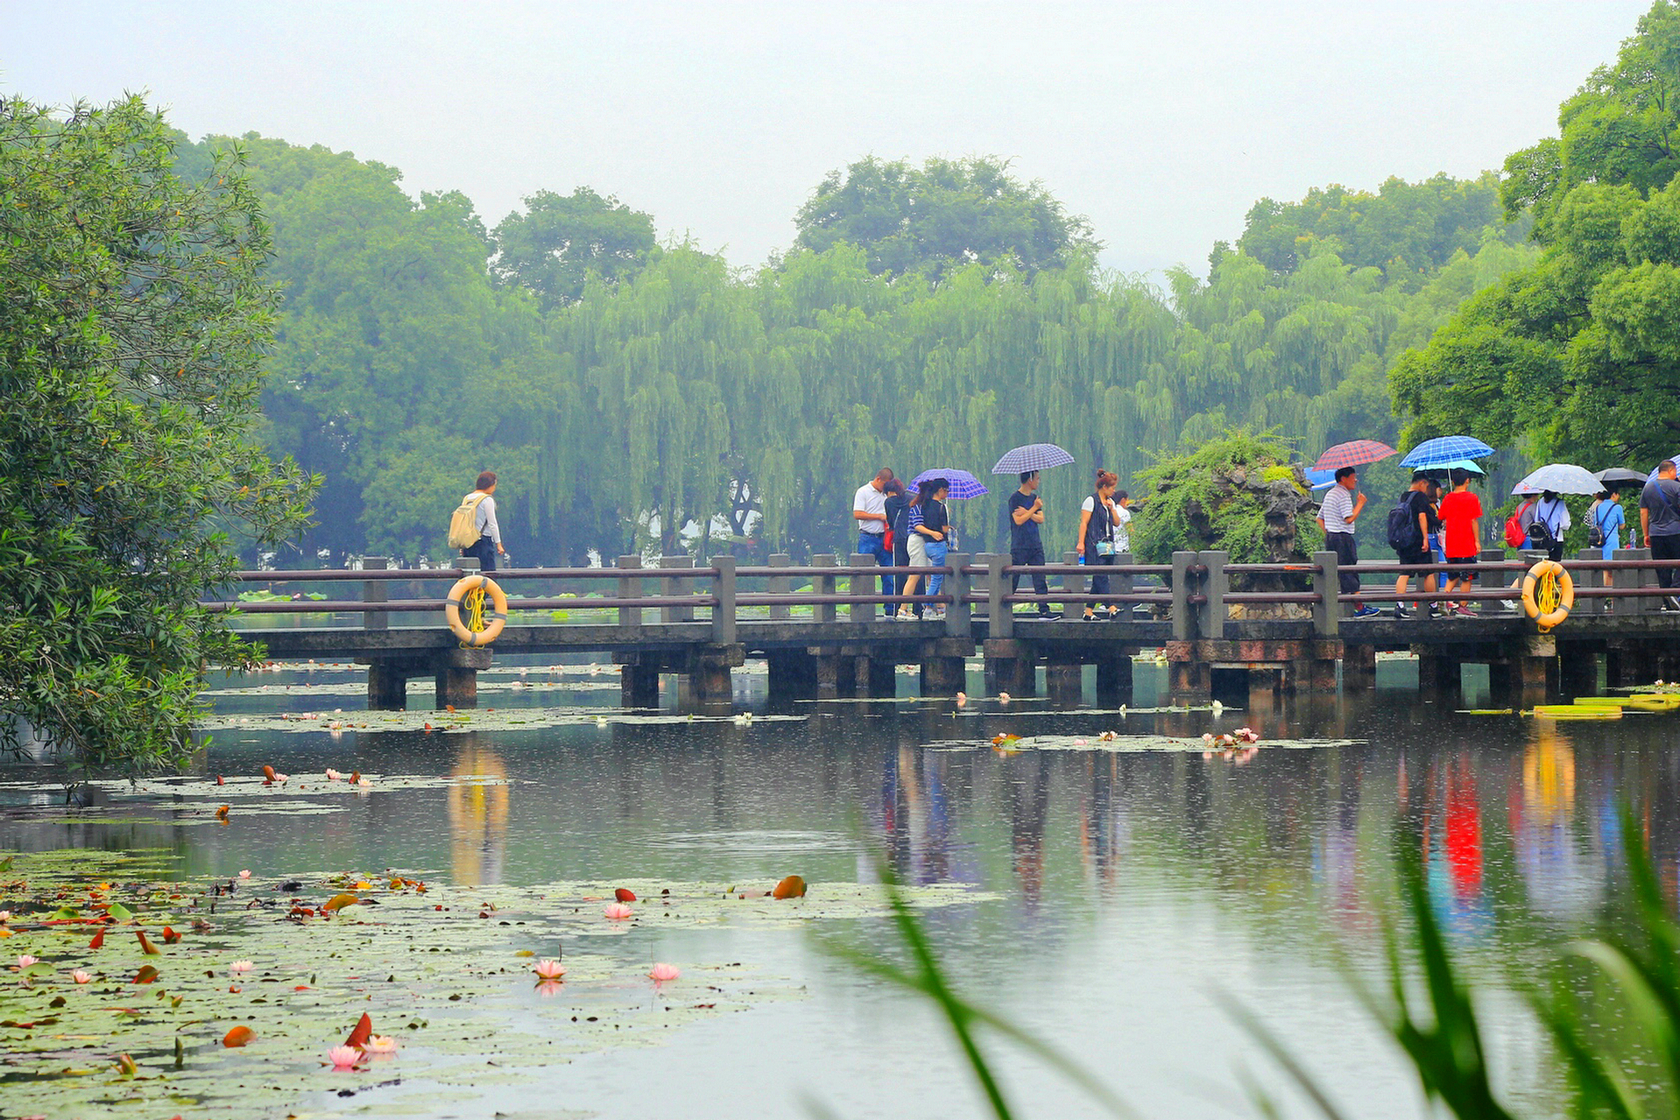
{"points": [[904, 616]]}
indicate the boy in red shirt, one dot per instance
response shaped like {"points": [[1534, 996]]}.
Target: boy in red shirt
{"points": [[1461, 513]]}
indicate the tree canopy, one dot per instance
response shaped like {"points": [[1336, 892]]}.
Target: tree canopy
{"points": [[560, 241], [942, 215], [133, 320], [1576, 356]]}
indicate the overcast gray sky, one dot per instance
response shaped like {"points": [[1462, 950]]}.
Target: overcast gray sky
{"points": [[1161, 122]]}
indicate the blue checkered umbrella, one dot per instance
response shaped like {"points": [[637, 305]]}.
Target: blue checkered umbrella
{"points": [[963, 484], [1032, 457], [1436, 452]]}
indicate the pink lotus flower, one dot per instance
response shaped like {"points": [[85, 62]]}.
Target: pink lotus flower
{"points": [[241, 966], [549, 969], [81, 977], [333, 775], [365, 784], [1003, 698], [244, 874], [5, 915], [962, 699], [25, 960], [617, 910], [662, 972], [344, 1057], [380, 1044], [548, 989]]}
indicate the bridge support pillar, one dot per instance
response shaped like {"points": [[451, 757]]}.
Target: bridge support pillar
{"points": [[793, 674], [1578, 670], [1065, 682], [942, 676], [456, 672], [708, 673], [1011, 666], [640, 686], [1440, 678], [1114, 679], [877, 677], [836, 676], [1630, 665], [387, 689], [1527, 675], [1359, 668], [1190, 680]]}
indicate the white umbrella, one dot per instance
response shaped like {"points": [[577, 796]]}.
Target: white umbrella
{"points": [[1560, 478]]}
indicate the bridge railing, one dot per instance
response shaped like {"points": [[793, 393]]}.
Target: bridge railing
{"points": [[1199, 592]]}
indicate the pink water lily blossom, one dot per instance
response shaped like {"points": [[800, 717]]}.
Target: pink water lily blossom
{"points": [[244, 874], [5, 915], [344, 1057], [549, 969], [333, 775], [380, 1044], [662, 972], [241, 966], [81, 977], [617, 910], [25, 960]]}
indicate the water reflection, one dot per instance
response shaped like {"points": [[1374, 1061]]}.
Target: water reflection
{"points": [[478, 813]]}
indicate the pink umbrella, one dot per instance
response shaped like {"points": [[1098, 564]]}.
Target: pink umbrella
{"points": [[1355, 453]]}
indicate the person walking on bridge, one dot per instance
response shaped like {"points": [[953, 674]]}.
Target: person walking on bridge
{"points": [[489, 541], [1419, 511], [869, 510], [1461, 513], [1026, 546], [1336, 517], [1659, 524]]}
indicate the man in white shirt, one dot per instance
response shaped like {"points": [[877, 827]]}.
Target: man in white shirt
{"points": [[1336, 517], [869, 510], [484, 518]]}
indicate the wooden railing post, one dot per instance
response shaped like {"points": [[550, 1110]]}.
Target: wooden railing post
{"points": [[630, 587], [1073, 585], [1631, 579], [373, 591], [1000, 615], [723, 615], [959, 618], [861, 613], [670, 587], [1183, 586], [1327, 612], [823, 585], [1211, 618], [780, 585], [1594, 580], [1122, 584]]}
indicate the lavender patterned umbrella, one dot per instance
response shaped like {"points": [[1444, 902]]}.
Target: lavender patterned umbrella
{"points": [[963, 484], [1031, 457]]}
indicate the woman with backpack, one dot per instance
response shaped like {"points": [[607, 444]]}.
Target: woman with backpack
{"points": [[1605, 520], [1410, 524], [1551, 522]]}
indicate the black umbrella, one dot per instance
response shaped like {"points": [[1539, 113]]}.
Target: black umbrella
{"points": [[1619, 476]]}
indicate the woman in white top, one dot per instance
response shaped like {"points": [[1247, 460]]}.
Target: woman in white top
{"points": [[1099, 518]]}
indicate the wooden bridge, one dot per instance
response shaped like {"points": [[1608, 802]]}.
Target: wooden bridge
{"points": [[1224, 626]]}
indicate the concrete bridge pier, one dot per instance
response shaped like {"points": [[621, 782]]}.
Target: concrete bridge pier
{"points": [[1630, 664], [708, 673], [942, 676], [1440, 676], [836, 676], [1064, 680], [1578, 671], [1114, 679], [640, 680], [1359, 667], [454, 670], [1189, 681], [1011, 666], [793, 674], [1526, 674], [875, 675]]}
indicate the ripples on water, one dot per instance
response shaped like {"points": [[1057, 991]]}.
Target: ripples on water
{"points": [[1135, 885]]}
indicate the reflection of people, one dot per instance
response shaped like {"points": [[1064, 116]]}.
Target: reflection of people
{"points": [[1029, 806], [478, 815]]}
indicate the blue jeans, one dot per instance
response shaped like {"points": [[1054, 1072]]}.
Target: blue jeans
{"points": [[485, 551], [936, 551], [874, 544]]}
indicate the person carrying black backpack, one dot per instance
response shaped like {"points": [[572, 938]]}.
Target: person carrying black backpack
{"points": [[1409, 524]]}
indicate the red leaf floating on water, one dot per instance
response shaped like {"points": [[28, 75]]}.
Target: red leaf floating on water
{"points": [[170, 936], [791, 887], [625, 894], [238, 1036], [364, 1031], [268, 774], [146, 946], [219, 780], [98, 940], [146, 975]]}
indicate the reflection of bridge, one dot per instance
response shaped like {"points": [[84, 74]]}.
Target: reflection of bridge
{"points": [[1280, 626]]}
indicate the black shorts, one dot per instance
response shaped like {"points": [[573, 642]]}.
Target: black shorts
{"points": [[1454, 562], [1415, 556]]}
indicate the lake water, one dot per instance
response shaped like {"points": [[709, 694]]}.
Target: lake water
{"points": [[1130, 888]]}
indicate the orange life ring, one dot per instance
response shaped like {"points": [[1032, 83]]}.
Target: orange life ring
{"points": [[1548, 593], [481, 626]]}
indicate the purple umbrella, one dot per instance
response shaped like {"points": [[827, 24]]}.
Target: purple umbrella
{"points": [[963, 484]]}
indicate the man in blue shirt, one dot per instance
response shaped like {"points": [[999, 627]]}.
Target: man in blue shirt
{"points": [[1026, 514]]}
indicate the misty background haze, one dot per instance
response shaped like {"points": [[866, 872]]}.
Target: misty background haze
{"points": [[1161, 123]]}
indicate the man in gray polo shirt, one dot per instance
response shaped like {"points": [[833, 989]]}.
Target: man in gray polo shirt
{"points": [[1336, 517]]}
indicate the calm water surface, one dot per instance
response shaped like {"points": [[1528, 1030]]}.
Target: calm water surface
{"points": [[1133, 887]]}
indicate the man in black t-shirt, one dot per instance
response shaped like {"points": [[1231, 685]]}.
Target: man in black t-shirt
{"points": [[1026, 514], [1659, 521], [1422, 513]]}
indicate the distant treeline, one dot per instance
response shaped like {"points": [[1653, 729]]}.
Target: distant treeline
{"points": [[927, 316]]}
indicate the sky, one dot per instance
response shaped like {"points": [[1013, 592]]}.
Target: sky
{"points": [[1160, 122]]}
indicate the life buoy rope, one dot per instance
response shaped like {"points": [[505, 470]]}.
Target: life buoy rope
{"points": [[1548, 593], [480, 627]]}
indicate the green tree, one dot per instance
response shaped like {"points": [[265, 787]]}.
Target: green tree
{"points": [[1574, 356], [133, 320], [561, 240], [944, 214]]}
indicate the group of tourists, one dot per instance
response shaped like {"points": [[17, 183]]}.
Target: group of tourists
{"points": [[912, 529], [1430, 526]]}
